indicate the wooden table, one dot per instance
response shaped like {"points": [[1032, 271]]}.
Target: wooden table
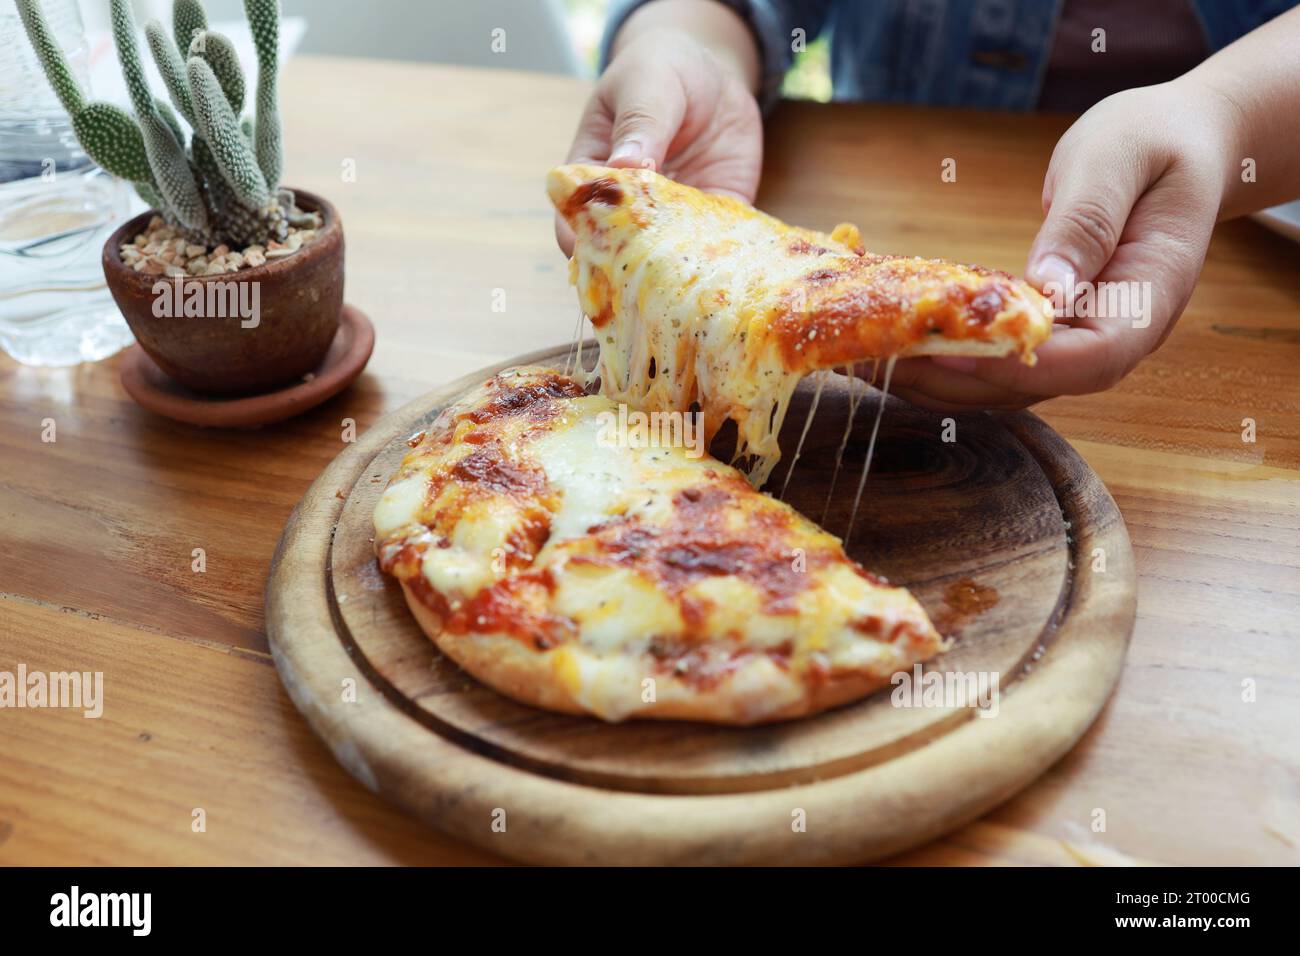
{"points": [[97, 529]]}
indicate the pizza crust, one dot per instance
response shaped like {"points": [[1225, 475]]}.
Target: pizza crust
{"points": [[757, 693], [999, 347]]}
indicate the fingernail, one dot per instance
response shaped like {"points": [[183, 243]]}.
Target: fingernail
{"points": [[955, 362], [1056, 278], [628, 149]]}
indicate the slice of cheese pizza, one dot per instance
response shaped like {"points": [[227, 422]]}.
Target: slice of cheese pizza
{"points": [[701, 298], [576, 568]]}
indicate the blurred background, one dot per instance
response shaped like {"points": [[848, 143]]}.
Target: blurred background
{"points": [[563, 35]]}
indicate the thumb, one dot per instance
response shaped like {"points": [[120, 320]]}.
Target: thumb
{"points": [[1088, 199], [646, 118]]}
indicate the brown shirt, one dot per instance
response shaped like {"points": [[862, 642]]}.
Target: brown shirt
{"points": [[1147, 42]]}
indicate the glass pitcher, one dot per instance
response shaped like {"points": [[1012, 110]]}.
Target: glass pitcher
{"points": [[56, 209]]}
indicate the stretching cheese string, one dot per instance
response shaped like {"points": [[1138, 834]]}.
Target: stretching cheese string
{"points": [[807, 422], [574, 362], [844, 440], [871, 444]]}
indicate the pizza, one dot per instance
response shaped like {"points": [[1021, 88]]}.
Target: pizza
{"points": [[579, 573], [627, 579], [701, 298]]}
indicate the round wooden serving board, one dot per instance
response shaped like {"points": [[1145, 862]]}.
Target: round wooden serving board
{"points": [[1006, 537]]}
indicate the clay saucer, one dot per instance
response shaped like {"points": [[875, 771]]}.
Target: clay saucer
{"points": [[145, 382]]}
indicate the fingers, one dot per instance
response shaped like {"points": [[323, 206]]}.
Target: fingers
{"points": [[923, 382], [720, 146], [623, 125], [1090, 190], [626, 122], [590, 145], [591, 140], [1074, 361], [633, 115], [564, 236], [1119, 251], [1133, 305], [646, 115], [1162, 253]]}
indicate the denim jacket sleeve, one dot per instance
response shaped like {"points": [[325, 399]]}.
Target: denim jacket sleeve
{"points": [[773, 23], [980, 53]]}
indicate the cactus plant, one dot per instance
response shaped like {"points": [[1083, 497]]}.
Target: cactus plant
{"points": [[223, 185]]}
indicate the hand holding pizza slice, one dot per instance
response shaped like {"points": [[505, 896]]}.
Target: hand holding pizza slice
{"points": [[701, 298]]}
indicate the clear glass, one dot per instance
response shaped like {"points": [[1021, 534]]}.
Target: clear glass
{"points": [[56, 209]]}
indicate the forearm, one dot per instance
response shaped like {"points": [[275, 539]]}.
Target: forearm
{"points": [[711, 24], [1255, 83]]}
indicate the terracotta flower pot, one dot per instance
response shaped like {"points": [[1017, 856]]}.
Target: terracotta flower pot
{"points": [[262, 328]]}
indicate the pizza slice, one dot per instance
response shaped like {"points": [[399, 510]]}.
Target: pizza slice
{"points": [[579, 571], [701, 298]]}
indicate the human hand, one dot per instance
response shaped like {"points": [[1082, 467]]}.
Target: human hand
{"points": [[669, 103], [1131, 196]]}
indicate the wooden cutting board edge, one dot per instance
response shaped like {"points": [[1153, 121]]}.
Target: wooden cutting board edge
{"points": [[857, 817]]}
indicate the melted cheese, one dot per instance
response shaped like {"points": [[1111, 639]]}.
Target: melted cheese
{"points": [[698, 298], [515, 521]]}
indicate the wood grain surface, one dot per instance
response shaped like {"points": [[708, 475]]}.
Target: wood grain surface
{"points": [[446, 207], [1006, 537]]}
